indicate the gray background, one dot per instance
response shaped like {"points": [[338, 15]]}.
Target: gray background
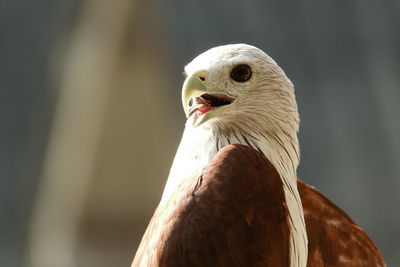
{"points": [[342, 56]]}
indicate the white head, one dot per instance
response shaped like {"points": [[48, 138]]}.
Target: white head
{"points": [[238, 88]]}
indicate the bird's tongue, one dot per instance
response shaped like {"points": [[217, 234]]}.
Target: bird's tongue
{"points": [[207, 102], [201, 108], [204, 109]]}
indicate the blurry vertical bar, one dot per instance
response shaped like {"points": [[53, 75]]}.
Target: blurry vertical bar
{"points": [[85, 82]]}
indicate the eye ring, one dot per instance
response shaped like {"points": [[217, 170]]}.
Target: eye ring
{"points": [[241, 73]]}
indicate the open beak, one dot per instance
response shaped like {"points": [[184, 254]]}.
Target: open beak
{"points": [[198, 99]]}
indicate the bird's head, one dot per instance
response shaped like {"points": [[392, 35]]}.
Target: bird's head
{"points": [[239, 86]]}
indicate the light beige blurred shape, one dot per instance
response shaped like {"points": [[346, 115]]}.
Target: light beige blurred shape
{"points": [[111, 142]]}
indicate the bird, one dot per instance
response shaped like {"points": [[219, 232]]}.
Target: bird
{"points": [[232, 197]]}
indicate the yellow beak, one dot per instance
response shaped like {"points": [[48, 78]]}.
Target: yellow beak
{"points": [[192, 87]]}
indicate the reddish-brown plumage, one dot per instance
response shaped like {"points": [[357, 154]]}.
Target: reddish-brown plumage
{"points": [[236, 215], [333, 238]]}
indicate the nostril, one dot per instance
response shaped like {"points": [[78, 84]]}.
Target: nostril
{"points": [[201, 75], [190, 102]]}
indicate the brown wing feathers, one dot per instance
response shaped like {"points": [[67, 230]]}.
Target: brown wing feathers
{"points": [[235, 214], [333, 238]]}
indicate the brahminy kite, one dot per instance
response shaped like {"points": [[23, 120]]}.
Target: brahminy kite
{"points": [[232, 197]]}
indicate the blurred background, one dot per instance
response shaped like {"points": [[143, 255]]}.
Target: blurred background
{"points": [[91, 114]]}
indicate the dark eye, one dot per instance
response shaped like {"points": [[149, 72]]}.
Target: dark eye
{"points": [[241, 73]]}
